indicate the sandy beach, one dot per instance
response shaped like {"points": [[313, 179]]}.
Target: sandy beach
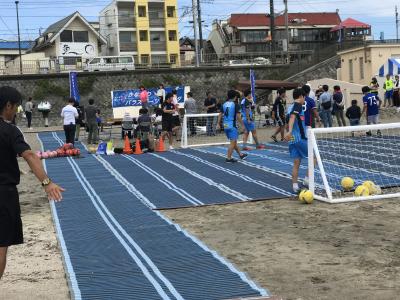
{"points": [[318, 251]]}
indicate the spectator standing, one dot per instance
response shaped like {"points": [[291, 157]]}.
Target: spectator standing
{"points": [[44, 107], [175, 115], [325, 101], [374, 86], [191, 108], [310, 112], [91, 123], [161, 93], [353, 113], [278, 114], [396, 93], [79, 120], [12, 144], [167, 119], [210, 103], [144, 97], [338, 105], [28, 112], [69, 113], [388, 87]]}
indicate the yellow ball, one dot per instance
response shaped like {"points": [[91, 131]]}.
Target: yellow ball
{"points": [[347, 183], [372, 188], [301, 196], [306, 196], [361, 190]]}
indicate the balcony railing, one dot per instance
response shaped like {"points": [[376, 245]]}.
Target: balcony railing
{"points": [[128, 47], [158, 46], [156, 22], [127, 22]]}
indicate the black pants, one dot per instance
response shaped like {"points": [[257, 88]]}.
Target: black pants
{"points": [[192, 126], [28, 115], [69, 131], [396, 98]]}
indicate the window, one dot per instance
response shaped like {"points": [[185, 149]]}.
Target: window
{"points": [[173, 58], [171, 11], [361, 67], [111, 60], [172, 35], [157, 37], [351, 75], [81, 37], [142, 11], [144, 58], [143, 36], [125, 60], [95, 61], [66, 36], [253, 36], [126, 37]]}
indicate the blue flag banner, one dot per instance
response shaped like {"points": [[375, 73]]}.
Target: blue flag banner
{"points": [[132, 97], [253, 85], [73, 86]]}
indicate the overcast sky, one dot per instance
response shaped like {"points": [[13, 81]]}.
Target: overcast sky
{"points": [[36, 14]]}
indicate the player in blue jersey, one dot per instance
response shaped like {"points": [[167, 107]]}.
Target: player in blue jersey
{"points": [[371, 107], [246, 106], [296, 135], [310, 109], [230, 112]]}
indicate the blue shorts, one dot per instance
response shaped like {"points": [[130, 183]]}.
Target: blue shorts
{"points": [[249, 126], [232, 134], [298, 150], [389, 94]]}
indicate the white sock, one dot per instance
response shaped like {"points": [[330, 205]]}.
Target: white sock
{"points": [[295, 187]]}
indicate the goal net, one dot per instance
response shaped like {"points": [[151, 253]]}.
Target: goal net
{"points": [[201, 130], [354, 163]]}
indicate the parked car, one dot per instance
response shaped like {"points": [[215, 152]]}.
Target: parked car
{"points": [[262, 61], [110, 63], [233, 63]]}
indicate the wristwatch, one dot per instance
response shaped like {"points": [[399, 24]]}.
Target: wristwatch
{"points": [[46, 182]]}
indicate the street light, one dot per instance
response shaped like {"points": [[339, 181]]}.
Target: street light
{"points": [[19, 39]]}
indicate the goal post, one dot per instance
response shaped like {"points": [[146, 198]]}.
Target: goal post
{"points": [[200, 130], [368, 154]]}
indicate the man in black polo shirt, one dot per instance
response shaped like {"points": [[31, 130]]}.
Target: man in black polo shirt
{"points": [[12, 144], [167, 118]]}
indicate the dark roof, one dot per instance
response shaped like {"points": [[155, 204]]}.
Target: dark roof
{"points": [[268, 85], [350, 23], [253, 20], [7, 45], [57, 26]]}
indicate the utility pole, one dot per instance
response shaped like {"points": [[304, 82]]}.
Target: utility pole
{"points": [[196, 41], [397, 25], [272, 22], [287, 30], [200, 30], [19, 39]]}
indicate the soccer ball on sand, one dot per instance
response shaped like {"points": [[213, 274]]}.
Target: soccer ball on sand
{"points": [[306, 196], [361, 190], [347, 183], [372, 187]]}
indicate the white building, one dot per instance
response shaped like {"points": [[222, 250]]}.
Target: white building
{"points": [[70, 42]]}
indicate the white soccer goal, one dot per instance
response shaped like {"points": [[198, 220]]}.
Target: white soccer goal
{"points": [[199, 130], [363, 153]]}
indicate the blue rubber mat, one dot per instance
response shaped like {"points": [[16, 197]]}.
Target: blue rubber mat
{"points": [[116, 247]]}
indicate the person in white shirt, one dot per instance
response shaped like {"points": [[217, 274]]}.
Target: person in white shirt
{"points": [[161, 94], [69, 113], [175, 115]]}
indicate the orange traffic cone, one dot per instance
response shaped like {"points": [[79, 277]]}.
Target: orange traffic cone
{"points": [[127, 146], [138, 149], [161, 147]]}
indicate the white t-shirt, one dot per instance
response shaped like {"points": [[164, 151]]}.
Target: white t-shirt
{"points": [[175, 102], [161, 93], [69, 113]]}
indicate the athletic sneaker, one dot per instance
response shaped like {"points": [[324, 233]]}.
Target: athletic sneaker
{"points": [[261, 146], [274, 138], [243, 155], [232, 160], [171, 148], [246, 148]]}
